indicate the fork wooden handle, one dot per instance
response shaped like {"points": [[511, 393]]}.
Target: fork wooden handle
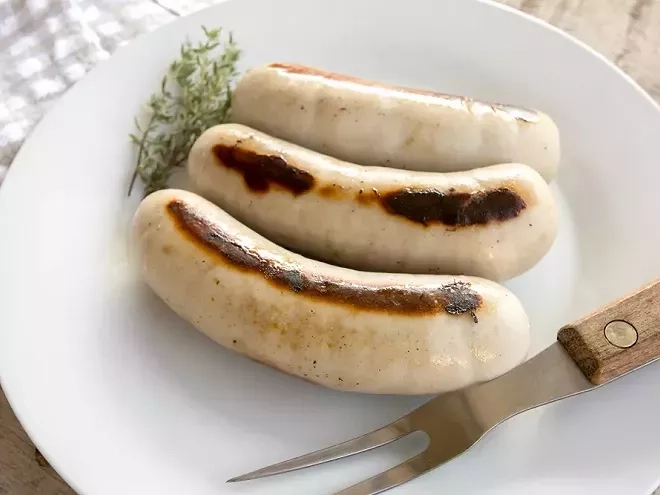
{"points": [[617, 338]]}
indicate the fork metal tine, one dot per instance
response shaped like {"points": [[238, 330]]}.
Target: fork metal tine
{"points": [[377, 438], [455, 420], [406, 471]]}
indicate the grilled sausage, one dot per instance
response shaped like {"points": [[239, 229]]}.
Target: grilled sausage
{"points": [[369, 123], [348, 330], [494, 222]]}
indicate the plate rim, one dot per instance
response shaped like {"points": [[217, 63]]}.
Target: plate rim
{"points": [[19, 412]]}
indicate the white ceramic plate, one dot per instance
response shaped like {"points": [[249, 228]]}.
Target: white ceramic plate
{"points": [[124, 398]]}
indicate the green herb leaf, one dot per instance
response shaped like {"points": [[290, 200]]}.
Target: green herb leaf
{"points": [[194, 95]]}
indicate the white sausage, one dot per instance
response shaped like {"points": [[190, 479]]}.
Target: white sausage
{"points": [[348, 330], [376, 124], [494, 222]]}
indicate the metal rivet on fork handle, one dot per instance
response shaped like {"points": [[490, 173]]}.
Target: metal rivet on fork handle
{"points": [[621, 334]]}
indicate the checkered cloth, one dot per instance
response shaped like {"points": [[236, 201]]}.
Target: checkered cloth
{"points": [[48, 45]]}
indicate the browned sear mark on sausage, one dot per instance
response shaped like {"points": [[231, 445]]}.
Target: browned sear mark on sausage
{"points": [[335, 76], [454, 209], [456, 298], [261, 171], [519, 113], [365, 197], [330, 191]]}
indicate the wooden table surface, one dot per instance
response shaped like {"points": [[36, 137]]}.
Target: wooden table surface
{"points": [[626, 31]]}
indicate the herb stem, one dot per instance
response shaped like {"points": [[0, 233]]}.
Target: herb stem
{"points": [[143, 140], [194, 95]]}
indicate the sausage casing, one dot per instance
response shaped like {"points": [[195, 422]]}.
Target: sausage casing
{"points": [[348, 330], [369, 123], [494, 222]]}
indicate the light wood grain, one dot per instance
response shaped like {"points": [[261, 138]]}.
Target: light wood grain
{"points": [[20, 472], [625, 31], [601, 359]]}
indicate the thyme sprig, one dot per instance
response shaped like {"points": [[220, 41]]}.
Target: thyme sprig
{"points": [[194, 95]]}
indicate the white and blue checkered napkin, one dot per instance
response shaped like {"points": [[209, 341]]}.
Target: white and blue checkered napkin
{"points": [[48, 45]]}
